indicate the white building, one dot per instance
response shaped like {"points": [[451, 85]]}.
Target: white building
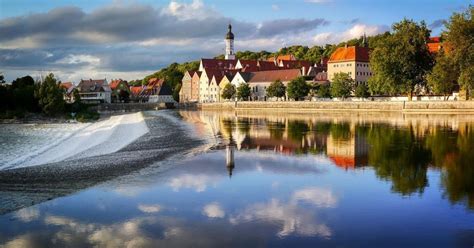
{"points": [[353, 60], [95, 91], [229, 44]]}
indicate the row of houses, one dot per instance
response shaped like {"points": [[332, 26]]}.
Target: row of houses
{"points": [[207, 83], [118, 90]]}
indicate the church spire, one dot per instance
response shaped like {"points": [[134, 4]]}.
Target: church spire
{"points": [[229, 44]]}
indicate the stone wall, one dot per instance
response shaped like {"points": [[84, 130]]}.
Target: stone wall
{"points": [[438, 106]]}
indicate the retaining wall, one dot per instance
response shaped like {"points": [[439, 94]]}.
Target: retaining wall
{"points": [[434, 106]]}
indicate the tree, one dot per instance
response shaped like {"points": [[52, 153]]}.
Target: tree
{"points": [[459, 46], [276, 89], [444, 75], [50, 96], [2, 78], [341, 85], [324, 91], [243, 91], [401, 60], [228, 92], [297, 88], [362, 91]]}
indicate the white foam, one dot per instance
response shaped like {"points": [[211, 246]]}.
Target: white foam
{"points": [[99, 138]]}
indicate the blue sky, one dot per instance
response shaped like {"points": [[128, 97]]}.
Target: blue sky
{"points": [[129, 39]]}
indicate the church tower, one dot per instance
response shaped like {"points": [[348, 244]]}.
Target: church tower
{"points": [[229, 44]]}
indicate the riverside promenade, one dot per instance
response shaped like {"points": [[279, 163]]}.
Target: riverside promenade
{"points": [[372, 106]]}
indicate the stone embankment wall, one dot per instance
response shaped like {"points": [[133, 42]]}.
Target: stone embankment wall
{"points": [[434, 106], [129, 107]]}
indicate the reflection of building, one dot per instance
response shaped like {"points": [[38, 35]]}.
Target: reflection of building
{"points": [[230, 164], [348, 153]]}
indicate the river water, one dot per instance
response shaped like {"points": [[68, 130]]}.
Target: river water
{"points": [[252, 179]]}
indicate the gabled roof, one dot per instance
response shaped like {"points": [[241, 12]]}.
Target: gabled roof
{"points": [[93, 85], [271, 76], [136, 90], [245, 75], [218, 63], [296, 64], [352, 53], [165, 90], [115, 83], [267, 66], [190, 73], [155, 82], [66, 85]]}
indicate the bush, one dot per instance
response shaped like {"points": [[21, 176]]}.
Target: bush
{"points": [[86, 116]]}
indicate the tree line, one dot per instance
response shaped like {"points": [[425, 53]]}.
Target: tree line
{"points": [[25, 95]]}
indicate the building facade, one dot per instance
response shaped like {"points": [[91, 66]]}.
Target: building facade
{"points": [[229, 44], [185, 94], [353, 60], [95, 91]]}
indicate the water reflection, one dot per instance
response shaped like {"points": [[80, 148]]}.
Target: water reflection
{"points": [[399, 149]]}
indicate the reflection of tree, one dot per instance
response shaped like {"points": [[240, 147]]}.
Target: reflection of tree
{"points": [[297, 130], [227, 126], [458, 176], [322, 127], [397, 156], [244, 125], [340, 131], [276, 129]]}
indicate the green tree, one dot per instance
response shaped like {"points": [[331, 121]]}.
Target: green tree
{"points": [[2, 78], [243, 91], [459, 45], [228, 92], [276, 89], [50, 96], [401, 60], [324, 91], [341, 85], [297, 88], [362, 91], [444, 75]]}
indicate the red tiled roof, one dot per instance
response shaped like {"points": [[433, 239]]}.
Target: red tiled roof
{"points": [[344, 162], [271, 76], [136, 90], [352, 53], [66, 85], [434, 40], [282, 57], [218, 63], [267, 66], [116, 83], [296, 64], [93, 85]]}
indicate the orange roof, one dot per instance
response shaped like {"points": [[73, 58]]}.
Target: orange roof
{"points": [[282, 57], [271, 76], [343, 162], [116, 83], [66, 85], [434, 47], [136, 90], [352, 53]]}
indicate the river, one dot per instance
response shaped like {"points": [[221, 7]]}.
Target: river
{"points": [[241, 179]]}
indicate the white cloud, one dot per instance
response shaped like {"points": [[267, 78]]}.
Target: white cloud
{"points": [[213, 210], [28, 214], [197, 182], [149, 208], [275, 7], [293, 219], [356, 31], [74, 59], [188, 11], [316, 196]]}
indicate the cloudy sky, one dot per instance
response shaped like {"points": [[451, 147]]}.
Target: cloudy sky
{"points": [[131, 38]]}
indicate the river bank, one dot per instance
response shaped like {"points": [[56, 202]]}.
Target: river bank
{"points": [[369, 106]]}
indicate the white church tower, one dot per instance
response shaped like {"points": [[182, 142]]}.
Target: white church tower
{"points": [[229, 44]]}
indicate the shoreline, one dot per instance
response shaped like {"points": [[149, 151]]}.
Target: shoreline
{"points": [[446, 107]]}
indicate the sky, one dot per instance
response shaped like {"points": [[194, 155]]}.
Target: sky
{"points": [[130, 39]]}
